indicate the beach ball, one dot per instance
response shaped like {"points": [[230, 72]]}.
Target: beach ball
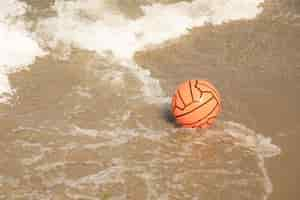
{"points": [[196, 104]]}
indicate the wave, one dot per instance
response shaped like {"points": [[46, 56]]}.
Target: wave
{"points": [[18, 47], [93, 26], [175, 163]]}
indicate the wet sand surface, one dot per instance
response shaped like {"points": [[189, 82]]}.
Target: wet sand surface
{"points": [[256, 65], [83, 125]]}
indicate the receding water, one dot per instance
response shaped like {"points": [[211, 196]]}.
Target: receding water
{"points": [[85, 89]]}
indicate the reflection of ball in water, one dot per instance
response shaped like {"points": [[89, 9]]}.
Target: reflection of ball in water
{"points": [[196, 104]]}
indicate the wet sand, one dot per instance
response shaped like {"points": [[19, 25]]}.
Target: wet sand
{"points": [[79, 125], [256, 65]]}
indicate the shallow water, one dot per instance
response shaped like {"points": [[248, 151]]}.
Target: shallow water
{"points": [[85, 91]]}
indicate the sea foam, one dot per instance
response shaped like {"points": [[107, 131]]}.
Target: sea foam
{"points": [[18, 48], [114, 33], [107, 32], [91, 25]]}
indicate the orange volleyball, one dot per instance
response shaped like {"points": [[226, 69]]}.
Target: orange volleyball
{"points": [[196, 104]]}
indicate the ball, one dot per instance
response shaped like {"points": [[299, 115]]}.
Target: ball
{"points": [[196, 104]]}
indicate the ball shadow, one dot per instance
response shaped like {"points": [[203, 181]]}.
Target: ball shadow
{"points": [[167, 114]]}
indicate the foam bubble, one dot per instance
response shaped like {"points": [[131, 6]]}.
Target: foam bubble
{"points": [[257, 143], [18, 48], [248, 138], [151, 88], [77, 131], [111, 33], [11, 8], [236, 171]]}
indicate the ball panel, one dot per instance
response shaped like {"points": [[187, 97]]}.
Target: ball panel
{"points": [[209, 120], [179, 101], [199, 114], [184, 92], [206, 86], [212, 120], [196, 92], [196, 104]]}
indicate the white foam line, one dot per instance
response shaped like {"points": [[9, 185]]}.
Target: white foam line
{"points": [[123, 37], [17, 46], [268, 186], [261, 145], [112, 33]]}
